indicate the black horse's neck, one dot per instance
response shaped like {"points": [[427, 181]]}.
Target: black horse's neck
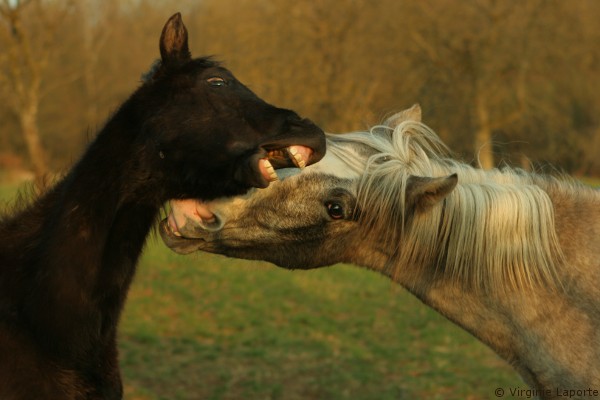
{"points": [[92, 228]]}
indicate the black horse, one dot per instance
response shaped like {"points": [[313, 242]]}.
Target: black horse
{"points": [[67, 258]]}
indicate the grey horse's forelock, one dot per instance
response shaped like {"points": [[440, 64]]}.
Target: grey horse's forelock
{"points": [[495, 230]]}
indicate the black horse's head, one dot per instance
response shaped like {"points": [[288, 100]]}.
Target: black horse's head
{"points": [[210, 135]]}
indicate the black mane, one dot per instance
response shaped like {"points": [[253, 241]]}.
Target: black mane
{"points": [[198, 63]]}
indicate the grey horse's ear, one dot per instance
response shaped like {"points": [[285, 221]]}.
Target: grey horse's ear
{"points": [[423, 193], [410, 114]]}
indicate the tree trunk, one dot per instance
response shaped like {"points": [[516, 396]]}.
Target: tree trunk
{"points": [[31, 134]]}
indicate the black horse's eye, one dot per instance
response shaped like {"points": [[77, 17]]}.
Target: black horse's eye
{"points": [[335, 210], [216, 81]]}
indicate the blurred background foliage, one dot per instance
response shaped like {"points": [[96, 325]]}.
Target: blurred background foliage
{"points": [[500, 81]]}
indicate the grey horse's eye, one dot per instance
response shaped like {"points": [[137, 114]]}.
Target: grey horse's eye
{"points": [[335, 210]]}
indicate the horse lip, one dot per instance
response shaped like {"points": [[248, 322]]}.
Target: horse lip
{"points": [[167, 231], [191, 212], [179, 244], [249, 171], [306, 135], [171, 226], [267, 170], [190, 219]]}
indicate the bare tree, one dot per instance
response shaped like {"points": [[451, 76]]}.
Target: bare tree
{"points": [[480, 51], [27, 37], [21, 78], [488, 73], [95, 17]]}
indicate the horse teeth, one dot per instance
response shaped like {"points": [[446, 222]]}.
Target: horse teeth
{"points": [[296, 157], [270, 170], [173, 231]]}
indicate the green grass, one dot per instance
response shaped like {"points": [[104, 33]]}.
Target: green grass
{"points": [[208, 327], [212, 328]]}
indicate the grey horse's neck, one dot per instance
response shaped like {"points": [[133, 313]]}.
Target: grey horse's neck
{"points": [[551, 336]]}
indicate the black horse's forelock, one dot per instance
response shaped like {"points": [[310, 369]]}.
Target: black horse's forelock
{"points": [[197, 63], [148, 76]]}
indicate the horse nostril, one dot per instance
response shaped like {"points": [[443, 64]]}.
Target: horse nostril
{"points": [[308, 122], [296, 121], [293, 118]]}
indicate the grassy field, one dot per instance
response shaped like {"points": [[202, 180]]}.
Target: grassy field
{"points": [[208, 327], [212, 328]]}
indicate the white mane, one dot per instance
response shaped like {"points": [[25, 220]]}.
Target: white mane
{"points": [[495, 229]]}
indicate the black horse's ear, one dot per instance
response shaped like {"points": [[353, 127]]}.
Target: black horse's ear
{"points": [[174, 42]]}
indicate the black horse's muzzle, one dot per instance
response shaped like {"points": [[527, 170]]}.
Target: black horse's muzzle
{"points": [[302, 144]]}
